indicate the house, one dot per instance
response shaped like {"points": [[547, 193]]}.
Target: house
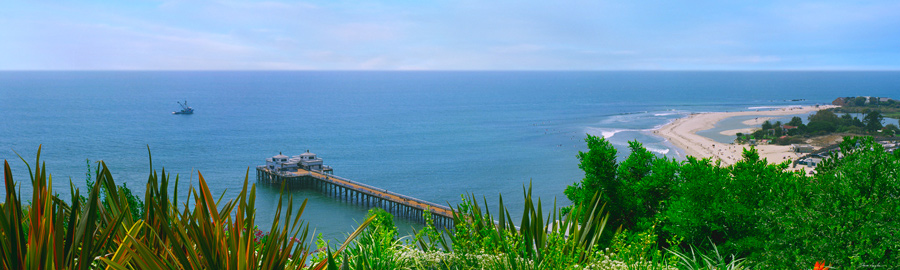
{"points": [[276, 162], [306, 161], [802, 148], [810, 161]]}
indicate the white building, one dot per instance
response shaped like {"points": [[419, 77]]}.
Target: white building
{"points": [[276, 162], [802, 148], [306, 161]]}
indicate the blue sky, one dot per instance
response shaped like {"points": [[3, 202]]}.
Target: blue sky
{"points": [[450, 35]]}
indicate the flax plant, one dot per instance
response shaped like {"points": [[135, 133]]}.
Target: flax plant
{"points": [[50, 234], [551, 242], [199, 233], [212, 235]]}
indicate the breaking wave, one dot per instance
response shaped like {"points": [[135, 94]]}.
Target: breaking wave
{"points": [[772, 107], [657, 150]]}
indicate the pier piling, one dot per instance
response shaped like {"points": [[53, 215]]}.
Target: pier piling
{"points": [[357, 193]]}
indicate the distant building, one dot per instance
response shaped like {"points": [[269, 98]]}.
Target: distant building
{"points": [[810, 161], [276, 162], [802, 148], [306, 161]]}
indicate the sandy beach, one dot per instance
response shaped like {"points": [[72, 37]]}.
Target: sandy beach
{"points": [[757, 121], [683, 134]]}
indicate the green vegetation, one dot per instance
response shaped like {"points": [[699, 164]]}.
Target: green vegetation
{"points": [[90, 233], [846, 214], [822, 122], [646, 212], [890, 107]]}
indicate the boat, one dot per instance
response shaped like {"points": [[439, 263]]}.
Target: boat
{"points": [[184, 108]]}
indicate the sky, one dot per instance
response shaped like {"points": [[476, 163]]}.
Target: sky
{"points": [[450, 35]]}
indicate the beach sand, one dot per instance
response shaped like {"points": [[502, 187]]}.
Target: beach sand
{"points": [[683, 134], [757, 121], [734, 132]]}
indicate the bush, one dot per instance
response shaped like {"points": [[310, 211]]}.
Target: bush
{"points": [[846, 214], [788, 140], [827, 127]]}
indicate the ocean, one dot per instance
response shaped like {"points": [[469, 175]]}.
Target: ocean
{"points": [[434, 135]]}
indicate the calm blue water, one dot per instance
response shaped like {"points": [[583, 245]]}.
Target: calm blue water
{"points": [[432, 135]]}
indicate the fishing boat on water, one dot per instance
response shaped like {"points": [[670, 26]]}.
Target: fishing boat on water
{"points": [[185, 109]]}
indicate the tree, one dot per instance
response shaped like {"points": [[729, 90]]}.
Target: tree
{"points": [[796, 121], [890, 130], [632, 174], [767, 125], [846, 119], [818, 126], [858, 123], [855, 191], [859, 101], [824, 116], [758, 134], [873, 121], [599, 166]]}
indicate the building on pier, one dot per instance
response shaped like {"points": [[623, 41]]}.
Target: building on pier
{"points": [[306, 171], [306, 161]]}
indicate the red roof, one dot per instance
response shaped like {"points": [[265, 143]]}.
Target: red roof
{"points": [[788, 127]]}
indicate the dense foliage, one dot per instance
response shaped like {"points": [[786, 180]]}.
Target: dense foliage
{"points": [[889, 106], [846, 214], [822, 122]]}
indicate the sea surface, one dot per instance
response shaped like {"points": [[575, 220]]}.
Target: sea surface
{"points": [[431, 135]]}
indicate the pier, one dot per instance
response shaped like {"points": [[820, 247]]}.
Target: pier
{"points": [[295, 173]]}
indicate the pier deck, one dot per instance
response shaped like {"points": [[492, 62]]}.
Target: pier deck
{"points": [[359, 193]]}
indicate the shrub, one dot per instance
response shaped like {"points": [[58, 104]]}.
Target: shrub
{"points": [[845, 214]]}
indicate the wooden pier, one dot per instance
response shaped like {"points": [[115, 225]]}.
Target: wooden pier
{"points": [[358, 193]]}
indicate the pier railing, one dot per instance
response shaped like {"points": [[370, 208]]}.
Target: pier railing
{"points": [[392, 193], [360, 193]]}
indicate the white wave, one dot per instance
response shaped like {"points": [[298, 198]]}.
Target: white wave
{"points": [[607, 132], [773, 107], [671, 112], [657, 127], [610, 132], [657, 150], [629, 113]]}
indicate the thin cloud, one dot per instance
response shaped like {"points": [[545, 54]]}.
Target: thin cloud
{"points": [[477, 35]]}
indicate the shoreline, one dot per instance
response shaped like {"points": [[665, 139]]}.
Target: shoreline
{"points": [[683, 134]]}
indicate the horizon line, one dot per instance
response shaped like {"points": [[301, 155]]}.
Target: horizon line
{"points": [[450, 70]]}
